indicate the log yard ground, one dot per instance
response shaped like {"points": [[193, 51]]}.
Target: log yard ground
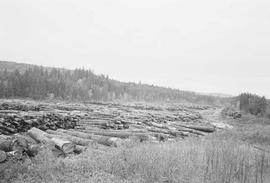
{"points": [[48, 141]]}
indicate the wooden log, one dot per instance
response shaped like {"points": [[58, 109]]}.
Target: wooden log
{"points": [[74, 139], [19, 144], [118, 134], [107, 141], [33, 149], [15, 154], [3, 156], [188, 130], [94, 122], [66, 146], [39, 135], [199, 128], [157, 130], [79, 149], [137, 126], [5, 145], [76, 133]]}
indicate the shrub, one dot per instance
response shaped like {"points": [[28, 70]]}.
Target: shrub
{"points": [[253, 104]]}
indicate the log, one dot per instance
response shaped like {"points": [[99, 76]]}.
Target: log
{"points": [[15, 154], [199, 128], [188, 130], [19, 144], [94, 122], [118, 134], [39, 135], [3, 156], [79, 149], [107, 141], [66, 146], [5, 145], [76, 133], [74, 139], [33, 149]]}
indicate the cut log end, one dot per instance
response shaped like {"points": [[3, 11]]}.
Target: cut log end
{"points": [[3, 156]]}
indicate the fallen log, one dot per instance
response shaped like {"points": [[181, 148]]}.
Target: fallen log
{"points": [[3, 156], [33, 149], [39, 135], [19, 144], [118, 134], [64, 145], [94, 122], [163, 131], [79, 149], [5, 145], [18, 155], [74, 139], [107, 141], [103, 140], [188, 130], [76, 133], [199, 128]]}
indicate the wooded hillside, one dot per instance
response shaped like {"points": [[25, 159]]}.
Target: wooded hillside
{"points": [[23, 80]]}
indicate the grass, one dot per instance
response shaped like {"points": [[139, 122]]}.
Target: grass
{"points": [[251, 129], [191, 161]]}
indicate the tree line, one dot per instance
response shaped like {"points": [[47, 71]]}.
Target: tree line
{"points": [[253, 104], [80, 84]]}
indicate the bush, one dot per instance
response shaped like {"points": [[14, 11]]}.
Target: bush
{"points": [[253, 104]]}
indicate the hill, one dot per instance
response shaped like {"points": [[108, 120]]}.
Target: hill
{"points": [[37, 82], [11, 66]]}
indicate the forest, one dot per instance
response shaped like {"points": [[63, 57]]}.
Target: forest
{"points": [[37, 82]]}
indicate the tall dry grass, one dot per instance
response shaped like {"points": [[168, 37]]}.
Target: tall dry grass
{"points": [[191, 161]]}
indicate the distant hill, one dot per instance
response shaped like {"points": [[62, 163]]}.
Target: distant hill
{"points": [[26, 80], [11, 66], [217, 95], [21, 67]]}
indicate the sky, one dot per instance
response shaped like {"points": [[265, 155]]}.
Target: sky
{"points": [[217, 46]]}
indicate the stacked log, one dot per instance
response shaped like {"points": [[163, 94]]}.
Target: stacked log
{"points": [[71, 128], [84, 139], [115, 133], [64, 145], [11, 123], [20, 107], [74, 139]]}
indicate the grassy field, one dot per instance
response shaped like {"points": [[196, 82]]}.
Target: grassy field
{"points": [[191, 161], [224, 157]]}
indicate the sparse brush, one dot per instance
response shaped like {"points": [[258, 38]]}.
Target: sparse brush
{"points": [[191, 161]]}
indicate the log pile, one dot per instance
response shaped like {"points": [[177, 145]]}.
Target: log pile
{"points": [[11, 123], [71, 128], [20, 107]]}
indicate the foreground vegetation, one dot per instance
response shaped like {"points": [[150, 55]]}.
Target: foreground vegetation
{"points": [[191, 161]]}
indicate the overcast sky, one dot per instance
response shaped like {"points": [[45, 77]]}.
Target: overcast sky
{"points": [[220, 46]]}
